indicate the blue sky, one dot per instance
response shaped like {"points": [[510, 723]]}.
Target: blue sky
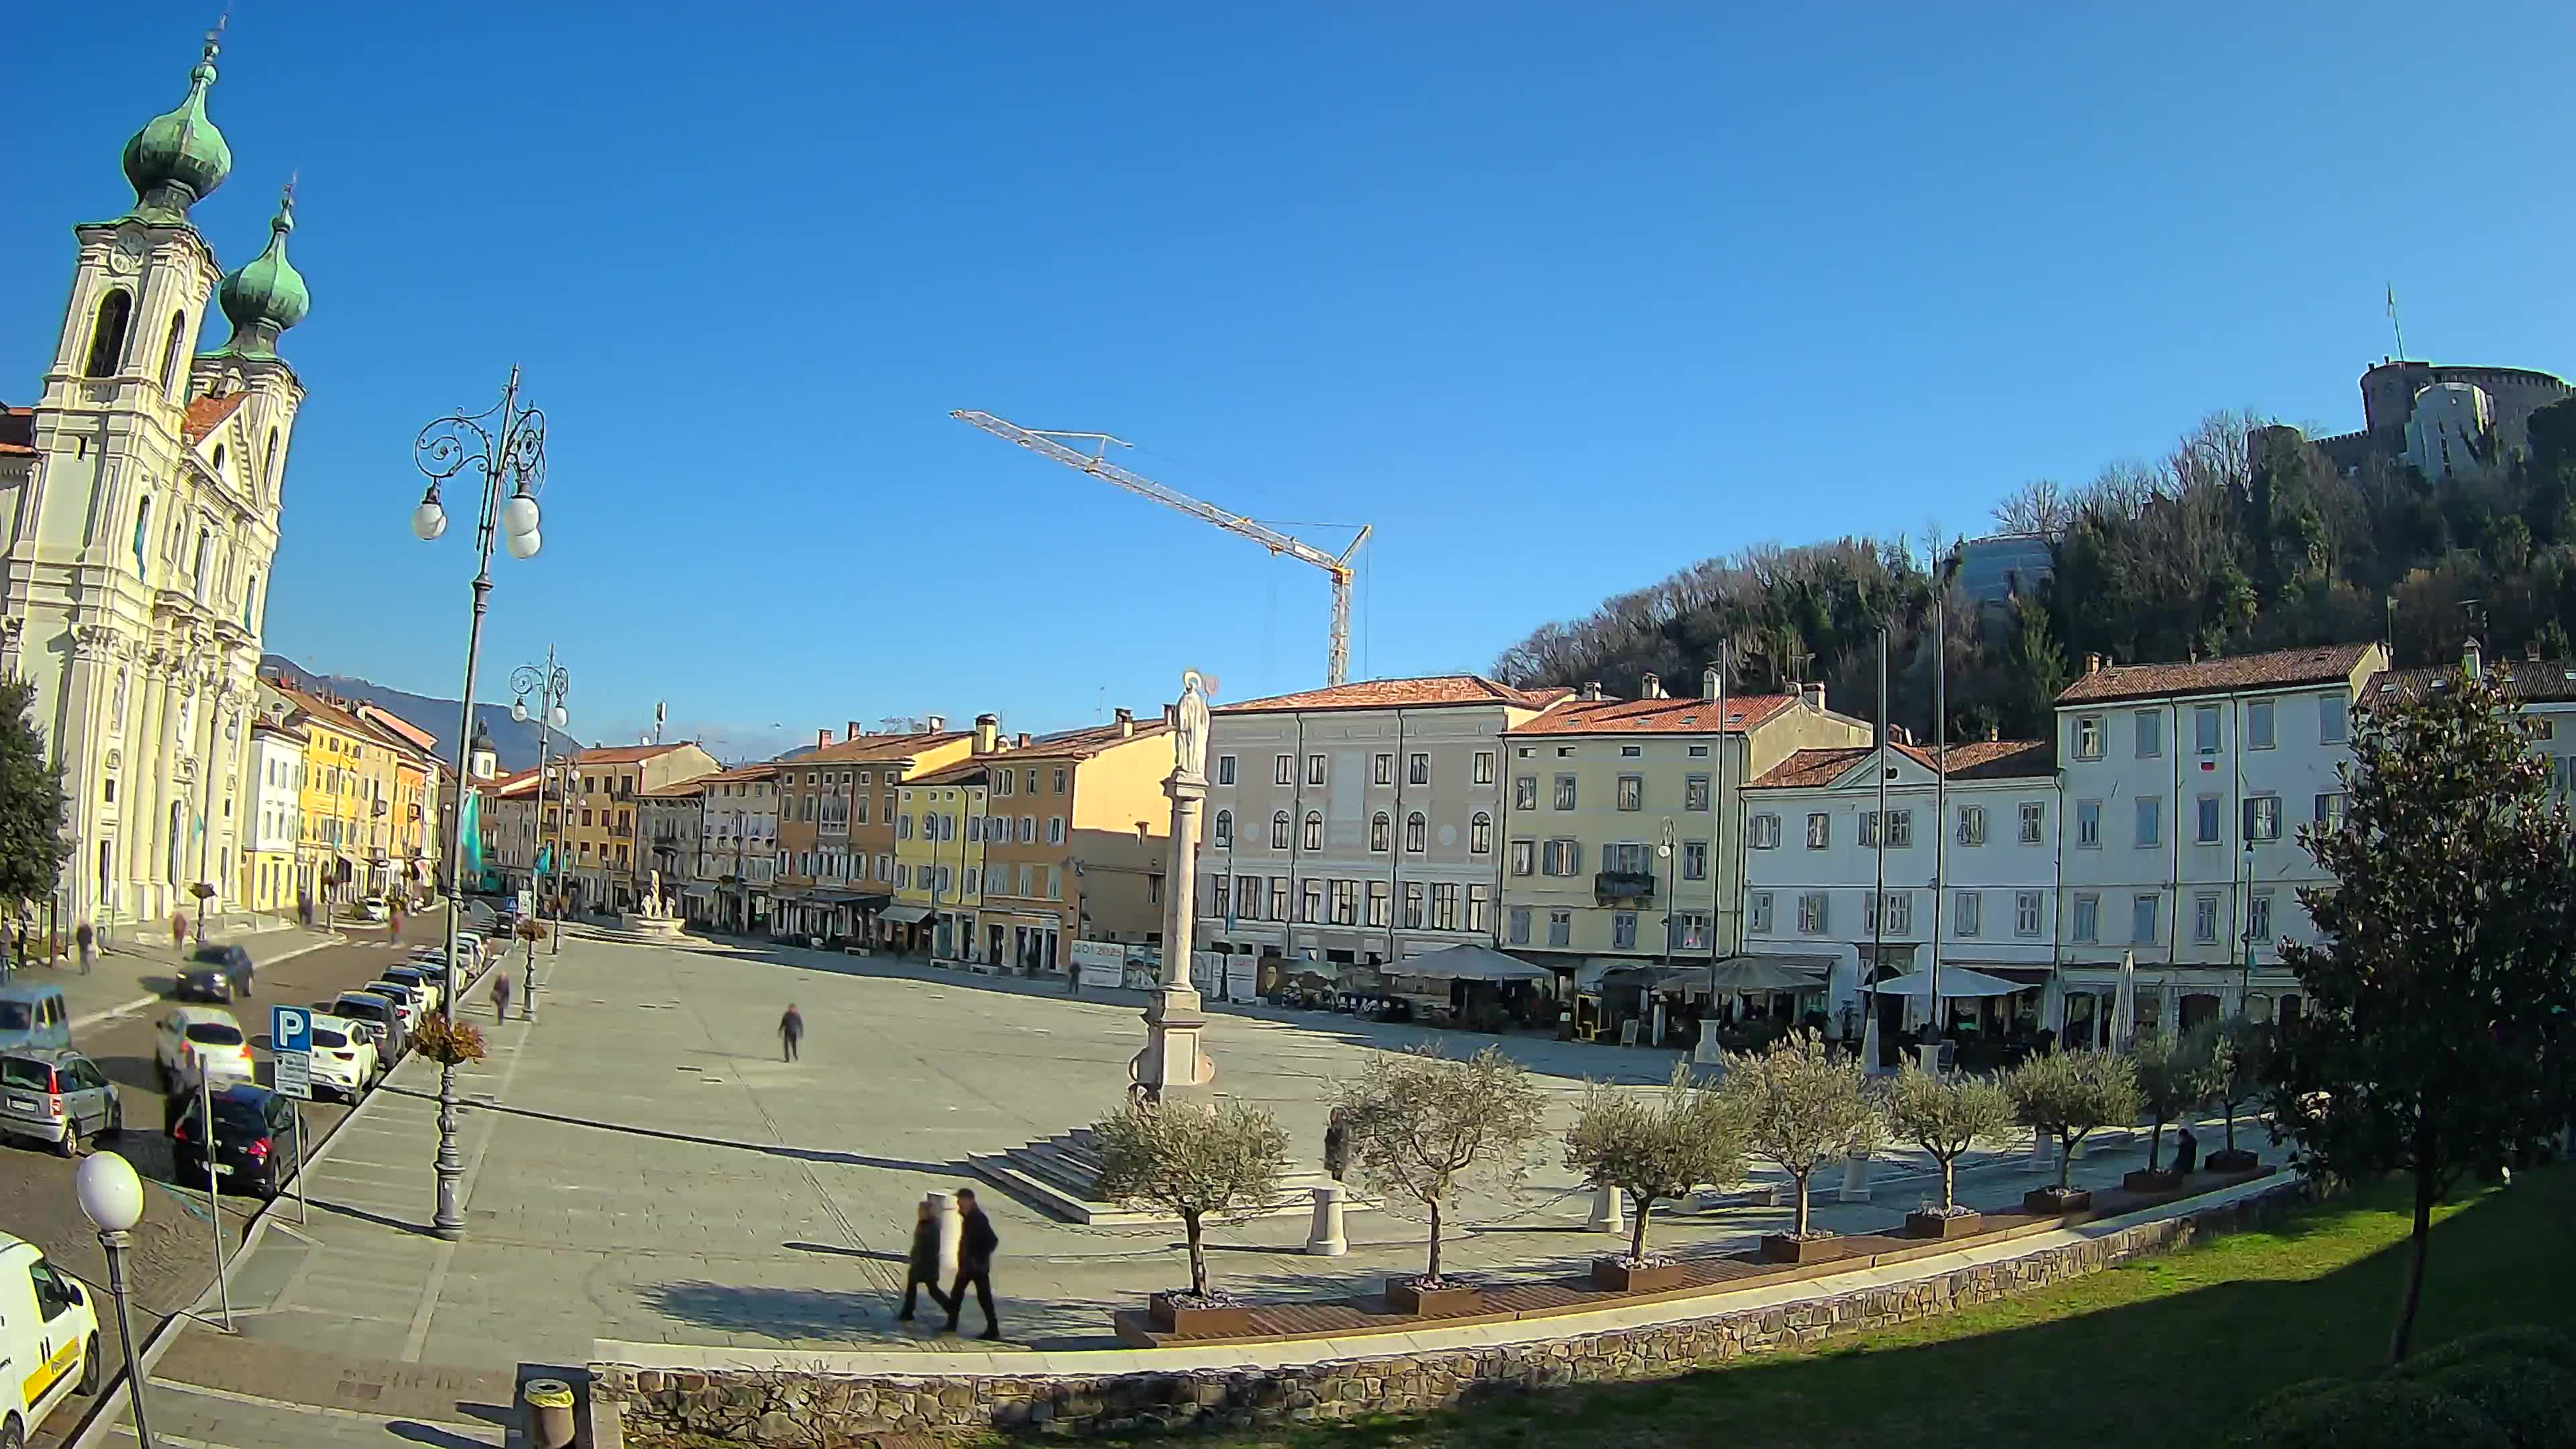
{"points": [[1559, 298]]}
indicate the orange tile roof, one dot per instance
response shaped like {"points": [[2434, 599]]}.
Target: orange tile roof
{"points": [[682, 790], [969, 771], [1653, 716], [874, 747], [1428, 691], [205, 414], [1969, 760], [519, 782], [2280, 669], [627, 754], [1082, 744], [17, 432], [2522, 681], [333, 715], [403, 727], [764, 770]]}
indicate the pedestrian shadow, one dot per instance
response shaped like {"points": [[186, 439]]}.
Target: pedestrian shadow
{"points": [[661, 1134], [772, 1312], [830, 1250]]}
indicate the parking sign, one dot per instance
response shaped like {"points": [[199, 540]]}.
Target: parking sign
{"points": [[290, 1036]]}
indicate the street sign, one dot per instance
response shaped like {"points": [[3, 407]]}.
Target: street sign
{"points": [[290, 1037]]}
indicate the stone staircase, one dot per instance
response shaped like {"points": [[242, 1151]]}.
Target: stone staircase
{"points": [[1055, 1175]]}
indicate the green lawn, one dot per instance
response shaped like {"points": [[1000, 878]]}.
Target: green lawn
{"points": [[2163, 1352]]}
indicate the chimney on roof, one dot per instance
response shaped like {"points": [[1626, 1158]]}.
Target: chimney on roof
{"points": [[850, 730], [1171, 716], [1126, 723], [2472, 659], [1590, 691], [1815, 694], [1993, 734], [2531, 650], [1652, 687], [1024, 739], [2092, 663], [936, 724], [988, 732], [1708, 683], [822, 737]]}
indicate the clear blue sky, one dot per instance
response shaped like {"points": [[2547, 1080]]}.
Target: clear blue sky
{"points": [[1560, 298]]}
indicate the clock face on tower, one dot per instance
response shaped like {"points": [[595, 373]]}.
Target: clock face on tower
{"points": [[126, 256]]}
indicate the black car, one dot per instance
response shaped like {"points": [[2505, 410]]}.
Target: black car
{"points": [[216, 973], [253, 1143]]}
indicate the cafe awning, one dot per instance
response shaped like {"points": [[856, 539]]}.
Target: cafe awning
{"points": [[1469, 963], [906, 915]]}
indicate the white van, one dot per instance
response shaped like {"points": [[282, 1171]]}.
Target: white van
{"points": [[48, 1340]]}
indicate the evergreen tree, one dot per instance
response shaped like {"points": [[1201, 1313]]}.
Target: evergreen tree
{"points": [[33, 847]]}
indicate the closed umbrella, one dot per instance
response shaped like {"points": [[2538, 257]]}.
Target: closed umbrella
{"points": [[2124, 1003]]}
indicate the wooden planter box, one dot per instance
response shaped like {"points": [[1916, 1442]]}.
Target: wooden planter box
{"points": [[1782, 1248], [2048, 1202], [2235, 1159], [2145, 1181], [1612, 1276], [1168, 1319], [1404, 1297], [1937, 1225]]}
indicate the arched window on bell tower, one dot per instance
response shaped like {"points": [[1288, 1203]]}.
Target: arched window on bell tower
{"points": [[268, 485], [143, 537], [107, 335], [173, 380]]}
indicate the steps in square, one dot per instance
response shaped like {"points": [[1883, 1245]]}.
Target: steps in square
{"points": [[1055, 1175]]}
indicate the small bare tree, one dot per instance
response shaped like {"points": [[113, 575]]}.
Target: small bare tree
{"points": [[2069, 1094], [1945, 1116], [1193, 1161], [2241, 1055], [1423, 1124], [1651, 1147], [2175, 1075], [1802, 1107]]}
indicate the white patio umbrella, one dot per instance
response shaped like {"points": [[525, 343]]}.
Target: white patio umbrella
{"points": [[2124, 1003], [1957, 983]]}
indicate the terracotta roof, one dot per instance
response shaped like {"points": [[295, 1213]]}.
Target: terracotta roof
{"points": [[521, 782], [765, 770], [1082, 744], [2280, 669], [2523, 681], [680, 791], [1431, 690], [384, 718], [206, 414], [627, 754], [873, 747], [333, 715], [964, 772], [1969, 760], [1653, 716], [17, 432]]}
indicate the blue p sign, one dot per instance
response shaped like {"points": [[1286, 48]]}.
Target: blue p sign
{"points": [[290, 1030]]}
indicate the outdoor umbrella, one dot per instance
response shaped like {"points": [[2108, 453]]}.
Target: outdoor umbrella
{"points": [[2124, 1003], [1756, 973], [1473, 963], [1957, 982]]}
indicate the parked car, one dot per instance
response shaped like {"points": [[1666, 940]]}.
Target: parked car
{"points": [[376, 908], [427, 978], [216, 974], [56, 1095], [34, 1016], [343, 1059], [377, 1012], [191, 1044], [251, 1145], [406, 1000], [48, 1337]]}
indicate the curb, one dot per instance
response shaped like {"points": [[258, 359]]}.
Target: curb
{"points": [[140, 1002]]}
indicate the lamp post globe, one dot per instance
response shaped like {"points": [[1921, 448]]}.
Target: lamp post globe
{"points": [[559, 718], [111, 1196], [523, 545], [518, 711], [519, 515], [429, 520]]}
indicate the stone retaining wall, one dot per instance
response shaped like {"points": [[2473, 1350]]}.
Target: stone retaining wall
{"points": [[785, 1406]]}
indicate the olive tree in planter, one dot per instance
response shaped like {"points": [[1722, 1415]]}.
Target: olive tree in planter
{"points": [[1424, 1124], [1945, 1116], [2241, 1056], [1650, 1147], [2175, 1075], [2068, 1095], [1196, 1162], [1802, 1107]]}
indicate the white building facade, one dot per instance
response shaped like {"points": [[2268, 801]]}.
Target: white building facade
{"points": [[2183, 790], [1970, 879], [276, 814], [737, 846], [1341, 823], [141, 494]]}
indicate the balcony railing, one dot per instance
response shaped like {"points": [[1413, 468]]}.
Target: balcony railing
{"points": [[1623, 885]]}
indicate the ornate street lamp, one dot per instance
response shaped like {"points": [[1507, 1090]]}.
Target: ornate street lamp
{"points": [[506, 447], [111, 1197], [551, 685]]}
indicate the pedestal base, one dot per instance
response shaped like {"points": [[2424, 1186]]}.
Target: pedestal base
{"points": [[1171, 1064]]}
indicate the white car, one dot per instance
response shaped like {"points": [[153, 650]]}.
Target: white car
{"points": [[409, 1007], [194, 1045], [48, 1339], [344, 1056], [427, 978], [374, 908]]}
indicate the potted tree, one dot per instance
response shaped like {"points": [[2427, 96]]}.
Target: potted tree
{"points": [[1648, 1148], [1422, 1125], [2175, 1075], [1945, 1116], [2066, 1095], [1802, 1107], [2241, 1055], [1195, 1162]]}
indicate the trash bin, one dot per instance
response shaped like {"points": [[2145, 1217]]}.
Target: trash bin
{"points": [[549, 1413]]}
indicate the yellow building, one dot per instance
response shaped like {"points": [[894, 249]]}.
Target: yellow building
{"points": [[1080, 836], [940, 826], [1621, 826], [836, 843], [607, 870]]}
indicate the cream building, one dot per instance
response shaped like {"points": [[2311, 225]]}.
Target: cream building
{"points": [[276, 816], [141, 495]]}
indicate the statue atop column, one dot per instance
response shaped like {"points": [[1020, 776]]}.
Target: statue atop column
{"points": [[1190, 734]]}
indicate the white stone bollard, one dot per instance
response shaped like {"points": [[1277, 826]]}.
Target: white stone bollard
{"points": [[1609, 1211], [952, 1229], [1855, 1178], [2043, 1154], [1324, 1239], [1706, 1052]]}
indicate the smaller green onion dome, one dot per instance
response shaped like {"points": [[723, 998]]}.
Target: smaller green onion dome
{"points": [[267, 296], [177, 158]]}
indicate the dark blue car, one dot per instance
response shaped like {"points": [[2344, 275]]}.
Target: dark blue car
{"points": [[216, 973]]}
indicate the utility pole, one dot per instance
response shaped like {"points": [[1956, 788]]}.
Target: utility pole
{"points": [[1878, 834]]}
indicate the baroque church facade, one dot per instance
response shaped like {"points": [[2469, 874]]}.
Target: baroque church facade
{"points": [[141, 493]]}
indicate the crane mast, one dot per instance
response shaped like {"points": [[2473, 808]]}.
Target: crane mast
{"points": [[1047, 443]]}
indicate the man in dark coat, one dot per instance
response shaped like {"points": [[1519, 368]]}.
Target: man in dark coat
{"points": [[921, 1272], [791, 1031], [974, 1264]]}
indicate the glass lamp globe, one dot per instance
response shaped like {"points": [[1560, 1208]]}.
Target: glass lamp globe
{"points": [[519, 515], [111, 1196], [560, 718], [519, 711], [524, 545], [429, 520]]}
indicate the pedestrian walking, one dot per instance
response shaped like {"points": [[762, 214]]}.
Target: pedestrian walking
{"points": [[974, 1265], [178, 930], [87, 940], [22, 943], [791, 1030], [501, 996], [1337, 1143], [922, 1271]]}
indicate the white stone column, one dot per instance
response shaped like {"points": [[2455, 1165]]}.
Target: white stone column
{"points": [[1855, 1186], [146, 785], [2043, 1154], [1609, 1211], [952, 1231], [1706, 1052], [1172, 1063], [83, 756], [1324, 1237]]}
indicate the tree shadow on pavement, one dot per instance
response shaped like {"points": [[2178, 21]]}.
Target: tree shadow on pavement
{"points": [[771, 1149]]}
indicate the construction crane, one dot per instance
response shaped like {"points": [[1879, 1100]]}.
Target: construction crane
{"points": [[1049, 443]]}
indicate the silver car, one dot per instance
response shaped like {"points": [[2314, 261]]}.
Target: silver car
{"points": [[57, 1096]]}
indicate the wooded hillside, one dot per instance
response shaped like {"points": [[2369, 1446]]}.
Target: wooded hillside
{"points": [[2220, 547]]}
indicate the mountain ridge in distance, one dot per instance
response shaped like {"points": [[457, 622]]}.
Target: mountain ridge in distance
{"points": [[514, 741]]}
